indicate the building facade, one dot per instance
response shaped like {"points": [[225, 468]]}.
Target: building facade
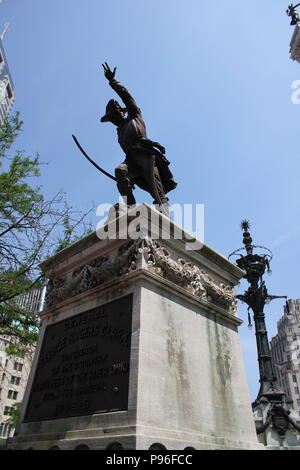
{"points": [[7, 94], [14, 371], [285, 350]]}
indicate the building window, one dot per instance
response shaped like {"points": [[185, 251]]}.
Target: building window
{"points": [[18, 366], [7, 410], [15, 380], [298, 402], [294, 379], [8, 91], [297, 390], [12, 394]]}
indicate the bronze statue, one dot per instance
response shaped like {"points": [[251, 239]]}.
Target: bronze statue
{"points": [[291, 11], [145, 164]]}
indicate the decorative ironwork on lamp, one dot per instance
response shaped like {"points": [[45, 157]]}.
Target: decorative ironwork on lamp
{"points": [[256, 296]]}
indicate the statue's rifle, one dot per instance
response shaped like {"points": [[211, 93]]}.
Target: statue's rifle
{"points": [[92, 161]]}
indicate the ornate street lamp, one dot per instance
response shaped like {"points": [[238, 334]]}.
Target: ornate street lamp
{"points": [[256, 296]]}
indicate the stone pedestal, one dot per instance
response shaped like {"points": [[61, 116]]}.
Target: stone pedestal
{"points": [[138, 347]]}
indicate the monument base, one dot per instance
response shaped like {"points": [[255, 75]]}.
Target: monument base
{"points": [[138, 348]]}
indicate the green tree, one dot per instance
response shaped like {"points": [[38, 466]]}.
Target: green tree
{"points": [[31, 229], [14, 413]]}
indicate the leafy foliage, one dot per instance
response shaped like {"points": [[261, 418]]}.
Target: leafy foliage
{"points": [[14, 413], [31, 230]]}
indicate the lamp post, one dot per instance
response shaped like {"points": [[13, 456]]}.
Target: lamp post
{"points": [[271, 397], [256, 296]]}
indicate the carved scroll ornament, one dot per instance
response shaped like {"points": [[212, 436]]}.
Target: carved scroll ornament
{"points": [[150, 255]]}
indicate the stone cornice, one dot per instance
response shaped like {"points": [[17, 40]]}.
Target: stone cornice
{"points": [[146, 256], [130, 279]]}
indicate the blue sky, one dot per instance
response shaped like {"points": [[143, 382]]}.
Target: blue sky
{"points": [[213, 80]]}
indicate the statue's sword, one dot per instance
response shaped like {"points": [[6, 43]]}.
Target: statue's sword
{"points": [[92, 161], [152, 177]]}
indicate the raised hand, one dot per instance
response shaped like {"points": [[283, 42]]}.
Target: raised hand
{"points": [[108, 73]]}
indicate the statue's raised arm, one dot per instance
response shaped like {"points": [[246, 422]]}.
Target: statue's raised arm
{"points": [[131, 106]]}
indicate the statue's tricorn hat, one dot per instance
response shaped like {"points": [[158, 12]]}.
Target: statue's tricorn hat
{"points": [[111, 107]]}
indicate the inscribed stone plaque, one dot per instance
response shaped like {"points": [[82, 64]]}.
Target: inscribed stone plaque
{"points": [[83, 366]]}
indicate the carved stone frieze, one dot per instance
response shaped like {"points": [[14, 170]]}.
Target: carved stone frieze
{"points": [[188, 275], [92, 274], [147, 254]]}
